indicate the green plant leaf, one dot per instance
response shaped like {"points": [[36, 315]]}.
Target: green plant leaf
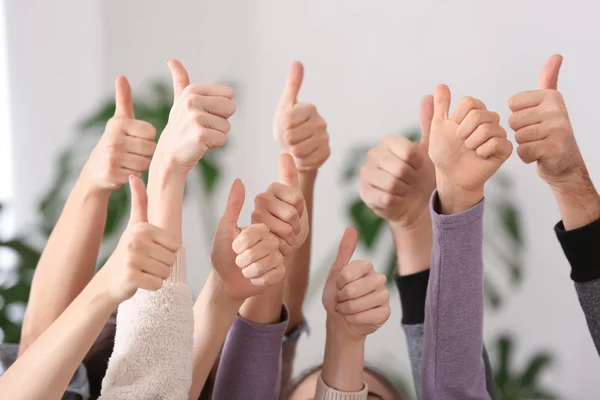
{"points": [[540, 362], [511, 222], [492, 295], [118, 209], [391, 266], [98, 118], [52, 203], [353, 163], [366, 222], [209, 174], [504, 349]]}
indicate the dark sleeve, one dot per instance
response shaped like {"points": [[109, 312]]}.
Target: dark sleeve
{"points": [[413, 292], [582, 249]]}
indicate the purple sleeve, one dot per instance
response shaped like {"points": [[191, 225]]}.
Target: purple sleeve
{"points": [[452, 366], [250, 365]]}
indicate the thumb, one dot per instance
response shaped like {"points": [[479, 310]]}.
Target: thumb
{"points": [[139, 201], [235, 202], [123, 103], [287, 170], [425, 117], [292, 85], [549, 75], [181, 79], [441, 102], [346, 249]]}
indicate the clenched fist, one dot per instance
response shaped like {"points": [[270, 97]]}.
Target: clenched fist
{"points": [[144, 255], [543, 130], [247, 260], [283, 210], [466, 148], [398, 176], [299, 128], [355, 295], [125, 147], [198, 120]]}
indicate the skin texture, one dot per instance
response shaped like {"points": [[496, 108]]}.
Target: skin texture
{"points": [[142, 259], [396, 182], [302, 132], [466, 148], [357, 303], [545, 136], [282, 209], [69, 258], [231, 282]]}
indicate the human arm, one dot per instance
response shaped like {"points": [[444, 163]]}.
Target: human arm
{"points": [[356, 300], [69, 258], [231, 282], [46, 368], [466, 149]]}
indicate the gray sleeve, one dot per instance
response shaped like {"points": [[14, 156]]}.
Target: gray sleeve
{"points": [[589, 298], [414, 340]]}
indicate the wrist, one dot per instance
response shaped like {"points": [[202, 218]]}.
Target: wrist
{"points": [[454, 199], [419, 221], [341, 337], [413, 245], [87, 190], [264, 308], [216, 297], [578, 202]]}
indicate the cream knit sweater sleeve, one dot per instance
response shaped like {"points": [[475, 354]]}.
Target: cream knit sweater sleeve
{"points": [[152, 356], [325, 392]]}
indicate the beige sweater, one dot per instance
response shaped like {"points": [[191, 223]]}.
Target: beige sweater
{"points": [[324, 392], [152, 356]]}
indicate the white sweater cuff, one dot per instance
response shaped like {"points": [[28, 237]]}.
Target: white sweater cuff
{"points": [[324, 392], [178, 271]]}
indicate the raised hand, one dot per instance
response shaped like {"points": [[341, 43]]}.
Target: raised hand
{"points": [[247, 260], [283, 210], [299, 128], [466, 149], [543, 130], [144, 255], [197, 121], [125, 147], [355, 295], [398, 176]]}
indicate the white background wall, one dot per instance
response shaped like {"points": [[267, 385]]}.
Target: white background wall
{"points": [[367, 64]]}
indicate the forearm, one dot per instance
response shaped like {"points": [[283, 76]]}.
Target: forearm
{"points": [[413, 244], [343, 362], [453, 344], [45, 369], [298, 268], [166, 185], [68, 261], [214, 313], [578, 202]]}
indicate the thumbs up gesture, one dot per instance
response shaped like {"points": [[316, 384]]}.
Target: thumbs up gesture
{"points": [[198, 120], [543, 130], [299, 128], [467, 148], [247, 260], [283, 210], [144, 256], [125, 147], [398, 176], [355, 295]]}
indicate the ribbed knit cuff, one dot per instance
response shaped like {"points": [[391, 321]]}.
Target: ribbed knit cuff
{"points": [[178, 272], [324, 392], [413, 291], [582, 249]]}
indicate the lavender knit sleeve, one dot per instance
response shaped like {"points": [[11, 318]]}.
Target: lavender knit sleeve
{"points": [[453, 367], [250, 365]]}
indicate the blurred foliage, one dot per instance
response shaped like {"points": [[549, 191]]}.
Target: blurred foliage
{"points": [[523, 384], [154, 108]]}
